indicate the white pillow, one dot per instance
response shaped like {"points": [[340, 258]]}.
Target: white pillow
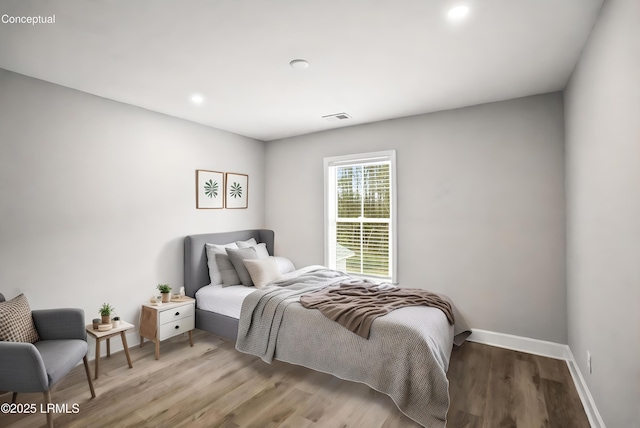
{"points": [[284, 265], [261, 248], [249, 242], [262, 271], [212, 250]]}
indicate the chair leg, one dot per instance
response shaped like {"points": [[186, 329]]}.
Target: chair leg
{"points": [[47, 401], [14, 397], [86, 369]]}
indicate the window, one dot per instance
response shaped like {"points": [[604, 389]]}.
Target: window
{"points": [[360, 214]]}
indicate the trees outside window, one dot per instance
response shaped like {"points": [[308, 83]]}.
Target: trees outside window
{"points": [[360, 214]]}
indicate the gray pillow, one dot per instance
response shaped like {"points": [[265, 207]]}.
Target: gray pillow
{"points": [[237, 256], [212, 250], [261, 248], [227, 272]]}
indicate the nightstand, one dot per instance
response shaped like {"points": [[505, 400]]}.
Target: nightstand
{"points": [[161, 322]]}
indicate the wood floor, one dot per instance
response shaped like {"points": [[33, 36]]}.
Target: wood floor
{"points": [[212, 385]]}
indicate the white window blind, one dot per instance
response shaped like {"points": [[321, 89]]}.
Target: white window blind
{"points": [[360, 214]]}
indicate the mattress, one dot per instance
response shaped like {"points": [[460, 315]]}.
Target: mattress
{"points": [[223, 300]]}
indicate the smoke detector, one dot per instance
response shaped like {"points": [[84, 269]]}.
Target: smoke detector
{"points": [[336, 116]]}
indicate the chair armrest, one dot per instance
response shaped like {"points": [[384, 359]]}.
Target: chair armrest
{"points": [[57, 324], [22, 368]]}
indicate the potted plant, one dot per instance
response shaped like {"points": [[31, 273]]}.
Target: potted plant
{"points": [[165, 290], [105, 312], [115, 321]]}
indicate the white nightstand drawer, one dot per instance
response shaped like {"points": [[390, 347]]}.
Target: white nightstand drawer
{"points": [[171, 315], [174, 328]]}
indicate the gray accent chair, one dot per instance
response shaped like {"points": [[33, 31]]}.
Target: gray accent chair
{"points": [[37, 367]]}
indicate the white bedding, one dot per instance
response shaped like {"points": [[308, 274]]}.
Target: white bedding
{"points": [[224, 301], [228, 300]]}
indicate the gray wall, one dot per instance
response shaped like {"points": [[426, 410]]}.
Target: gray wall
{"points": [[96, 196], [480, 201], [603, 212]]}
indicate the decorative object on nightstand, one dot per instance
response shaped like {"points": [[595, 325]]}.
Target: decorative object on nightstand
{"points": [[115, 321], [108, 334], [180, 297], [165, 290], [161, 322], [105, 313], [96, 323]]}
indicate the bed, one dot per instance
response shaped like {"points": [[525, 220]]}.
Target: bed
{"points": [[405, 357], [196, 274]]}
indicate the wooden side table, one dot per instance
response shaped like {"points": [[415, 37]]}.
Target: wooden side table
{"points": [[101, 335], [160, 322]]}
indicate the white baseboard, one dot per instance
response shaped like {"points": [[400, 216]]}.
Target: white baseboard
{"points": [[585, 395], [523, 344], [545, 349]]}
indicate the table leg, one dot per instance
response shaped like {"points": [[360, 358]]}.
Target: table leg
{"points": [[97, 358], [157, 349], [141, 341], [108, 347], [191, 337], [126, 348]]}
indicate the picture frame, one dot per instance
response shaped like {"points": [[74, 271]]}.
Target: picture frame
{"points": [[237, 191], [210, 189]]}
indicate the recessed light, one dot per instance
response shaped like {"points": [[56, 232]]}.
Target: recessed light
{"points": [[197, 99], [299, 64], [457, 13]]}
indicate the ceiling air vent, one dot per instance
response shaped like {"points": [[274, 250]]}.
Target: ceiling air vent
{"points": [[336, 116]]}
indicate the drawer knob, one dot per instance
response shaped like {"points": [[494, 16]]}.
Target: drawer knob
{"points": [[177, 327], [177, 313]]}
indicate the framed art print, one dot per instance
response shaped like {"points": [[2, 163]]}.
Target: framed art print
{"points": [[237, 193], [209, 189]]}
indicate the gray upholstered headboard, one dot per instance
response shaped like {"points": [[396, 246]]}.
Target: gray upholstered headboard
{"points": [[196, 271]]}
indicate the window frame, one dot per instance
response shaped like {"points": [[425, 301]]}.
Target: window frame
{"points": [[330, 207]]}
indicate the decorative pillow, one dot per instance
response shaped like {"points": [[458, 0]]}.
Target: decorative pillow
{"points": [[262, 271], [261, 248], [228, 273], [248, 243], [16, 322], [212, 250], [284, 264], [237, 257]]}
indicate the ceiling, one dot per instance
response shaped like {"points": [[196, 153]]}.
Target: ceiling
{"points": [[372, 59]]}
